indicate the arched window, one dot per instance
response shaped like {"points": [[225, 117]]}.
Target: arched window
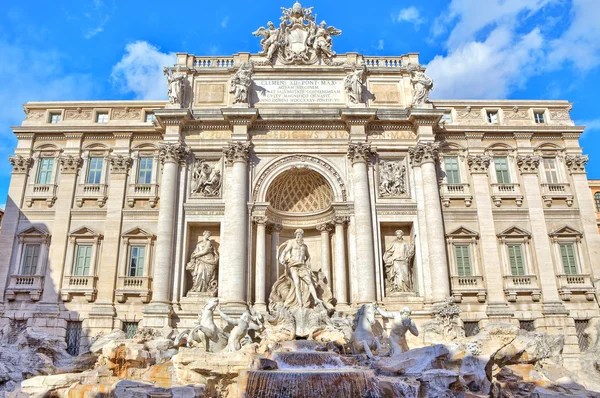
{"points": [[597, 200]]}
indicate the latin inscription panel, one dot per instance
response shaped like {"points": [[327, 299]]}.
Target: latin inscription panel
{"points": [[299, 91]]}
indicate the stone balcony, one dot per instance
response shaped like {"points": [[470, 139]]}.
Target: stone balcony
{"points": [[502, 192], [521, 285], [79, 285], [98, 192], [468, 286], [147, 192], [45, 192], [30, 284], [551, 192], [133, 286], [456, 191], [575, 284]]}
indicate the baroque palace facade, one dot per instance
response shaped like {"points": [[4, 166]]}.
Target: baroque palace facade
{"points": [[136, 212]]}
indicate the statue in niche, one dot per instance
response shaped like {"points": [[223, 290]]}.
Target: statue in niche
{"points": [[203, 265], [270, 41], [392, 179], [397, 260], [241, 83], [353, 83], [299, 286], [176, 83], [401, 324], [422, 84], [206, 179]]}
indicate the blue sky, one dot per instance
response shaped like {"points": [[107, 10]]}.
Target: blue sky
{"points": [[478, 49]]}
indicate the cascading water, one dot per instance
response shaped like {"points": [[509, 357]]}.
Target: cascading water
{"points": [[309, 373]]}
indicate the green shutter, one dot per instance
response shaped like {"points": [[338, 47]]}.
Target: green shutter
{"points": [[136, 260], [452, 171], [502, 172], [30, 259], [83, 260], [567, 252], [463, 260], [515, 255]]}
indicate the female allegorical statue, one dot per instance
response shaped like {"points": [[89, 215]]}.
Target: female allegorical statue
{"points": [[203, 264]]}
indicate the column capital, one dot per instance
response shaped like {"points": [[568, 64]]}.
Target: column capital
{"points": [[237, 151], [274, 228], [479, 164], [120, 164], [325, 227], [173, 153], [360, 152], [70, 164], [260, 220], [424, 152], [341, 220], [576, 163], [528, 164], [20, 164]]}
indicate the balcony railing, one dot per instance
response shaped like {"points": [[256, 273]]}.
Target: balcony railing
{"points": [[133, 286], [30, 284], [383, 62], [456, 191], [515, 285], [97, 192], [79, 285], [506, 191], [575, 284], [468, 286], [213, 62], [557, 191], [46, 192], [147, 192]]}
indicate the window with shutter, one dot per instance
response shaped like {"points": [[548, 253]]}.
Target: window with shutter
{"points": [[567, 252], [83, 260], [452, 171], [463, 260], [515, 256], [136, 260], [502, 172], [45, 170], [30, 259], [550, 170]]}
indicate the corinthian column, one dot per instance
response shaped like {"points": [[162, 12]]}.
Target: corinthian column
{"points": [[424, 155], [360, 155], [274, 230], [341, 277], [261, 263], [325, 250], [232, 277], [171, 155]]}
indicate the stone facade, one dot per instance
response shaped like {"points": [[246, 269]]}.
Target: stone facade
{"points": [[595, 187], [109, 199]]}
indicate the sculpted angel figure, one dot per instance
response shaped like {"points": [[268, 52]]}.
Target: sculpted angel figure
{"points": [[270, 41], [353, 83], [320, 38], [241, 82], [397, 260], [422, 84], [203, 264], [176, 83], [401, 324]]}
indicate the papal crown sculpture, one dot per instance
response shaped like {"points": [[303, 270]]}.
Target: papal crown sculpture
{"points": [[298, 39]]}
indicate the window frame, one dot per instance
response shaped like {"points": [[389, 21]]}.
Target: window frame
{"points": [[597, 201], [84, 236], [491, 114], [49, 173], [556, 171], [102, 113], [508, 169], [567, 235], [542, 113], [150, 115], [51, 116], [85, 270], [517, 236], [464, 236], [518, 267], [31, 236], [139, 170], [130, 259], [99, 170], [137, 237], [458, 169]]}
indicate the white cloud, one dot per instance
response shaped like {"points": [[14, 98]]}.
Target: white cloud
{"points": [[140, 71], [410, 15], [224, 22], [98, 17], [380, 45], [590, 125]]}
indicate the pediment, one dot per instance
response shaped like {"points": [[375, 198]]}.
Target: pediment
{"points": [[33, 231], [566, 230], [514, 231], [83, 232], [138, 233], [463, 232]]}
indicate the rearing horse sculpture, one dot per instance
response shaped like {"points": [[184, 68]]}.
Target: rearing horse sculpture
{"points": [[363, 338], [206, 334]]}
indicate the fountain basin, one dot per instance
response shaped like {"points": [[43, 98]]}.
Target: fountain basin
{"points": [[307, 359]]}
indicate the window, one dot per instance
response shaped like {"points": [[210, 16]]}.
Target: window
{"points": [[130, 329], [539, 116], [45, 170], [150, 117], [447, 118], [102, 117], [145, 171], [597, 200], [30, 259], [463, 260], [452, 171], [136, 260], [582, 338], [515, 258], [567, 253], [83, 260], [550, 170], [527, 325], [95, 170], [73, 336], [492, 116], [54, 118], [502, 172], [471, 328]]}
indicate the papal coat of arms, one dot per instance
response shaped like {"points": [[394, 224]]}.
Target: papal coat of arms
{"points": [[298, 39]]}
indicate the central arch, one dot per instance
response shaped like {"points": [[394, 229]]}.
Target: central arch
{"points": [[300, 191]]}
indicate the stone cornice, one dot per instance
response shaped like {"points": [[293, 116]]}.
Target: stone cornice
{"points": [[358, 116], [424, 152], [425, 117], [528, 164], [240, 116]]}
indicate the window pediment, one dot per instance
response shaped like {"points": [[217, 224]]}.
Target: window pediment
{"points": [[514, 232], [84, 232], [33, 232], [463, 232], [566, 231], [138, 233]]}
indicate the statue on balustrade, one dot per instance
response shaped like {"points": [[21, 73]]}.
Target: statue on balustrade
{"points": [[176, 83], [353, 83], [402, 324], [397, 260], [203, 265], [422, 85], [241, 83], [299, 286]]}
